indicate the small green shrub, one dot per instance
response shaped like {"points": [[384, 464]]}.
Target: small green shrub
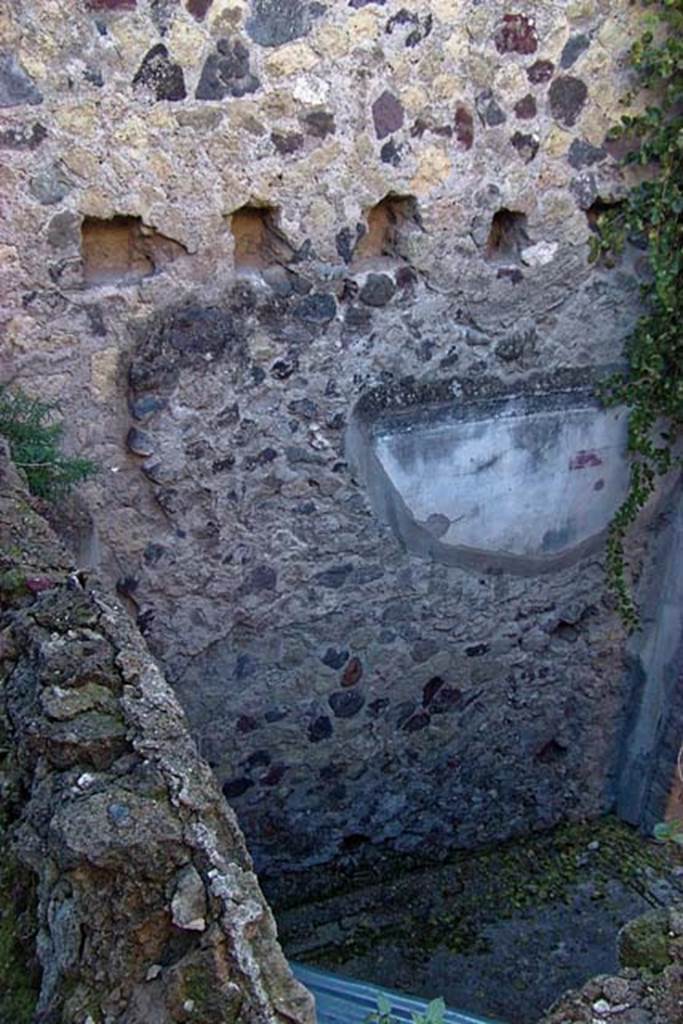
{"points": [[34, 436], [669, 832]]}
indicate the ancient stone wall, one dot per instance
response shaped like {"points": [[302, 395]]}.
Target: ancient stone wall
{"points": [[142, 900], [225, 224]]}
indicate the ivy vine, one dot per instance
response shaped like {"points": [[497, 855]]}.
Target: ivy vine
{"points": [[652, 387]]}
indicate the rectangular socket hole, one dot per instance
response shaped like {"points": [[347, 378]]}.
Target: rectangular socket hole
{"points": [[123, 250]]}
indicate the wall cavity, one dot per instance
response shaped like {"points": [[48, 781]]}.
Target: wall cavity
{"points": [[389, 223], [258, 242], [123, 250]]}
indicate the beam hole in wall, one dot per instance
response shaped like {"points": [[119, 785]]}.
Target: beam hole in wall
{"points": [[124, 250], [389, 223], [259, 242], [507, 236]]}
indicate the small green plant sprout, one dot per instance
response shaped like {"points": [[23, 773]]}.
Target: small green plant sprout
{"points": [[382, 1014], [669, 832], [433, 1014], [34, 434]]}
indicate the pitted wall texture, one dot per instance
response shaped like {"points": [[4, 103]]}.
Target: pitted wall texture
{"points": [[146, 906], [223, 224]]}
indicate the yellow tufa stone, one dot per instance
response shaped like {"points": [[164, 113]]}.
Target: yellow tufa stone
{"points": [[288, 60], [83, 162], [80, 120], [186, 41], [331, 41], [447, 88], [22, 335], [133, 37], [95, 202], [433, 168], [557, 142], [104, 366], [447, 10], [511, 80], [363, 25], [414, 99]]}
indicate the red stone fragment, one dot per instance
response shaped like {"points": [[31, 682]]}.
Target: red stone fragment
{"points": [[464, 126], [516, 34], [198, 8], [585, 459], [352, 673], [40, 583], [387, 113], [541, 71], [111, 5], [525, 108]]}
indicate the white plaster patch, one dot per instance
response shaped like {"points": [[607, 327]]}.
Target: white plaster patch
{"points": [[308, 89], [521, 483], [540, 254]]}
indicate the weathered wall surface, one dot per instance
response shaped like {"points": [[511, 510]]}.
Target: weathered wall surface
{"points": [[225, 223], [146, 904]]}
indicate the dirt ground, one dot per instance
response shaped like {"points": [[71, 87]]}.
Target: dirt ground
{"points": [[501, 932]]}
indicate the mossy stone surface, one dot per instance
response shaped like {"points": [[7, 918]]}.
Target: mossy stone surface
{"points": [[644, 942]]}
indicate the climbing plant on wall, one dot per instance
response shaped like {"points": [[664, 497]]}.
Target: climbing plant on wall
{"points": [[652, 387]]}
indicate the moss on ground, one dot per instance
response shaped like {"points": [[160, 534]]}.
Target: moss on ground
{"points": [[497, 883], [19, 976]]}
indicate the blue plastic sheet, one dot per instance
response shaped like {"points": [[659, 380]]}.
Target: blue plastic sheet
{"points": [[340, 1000]]}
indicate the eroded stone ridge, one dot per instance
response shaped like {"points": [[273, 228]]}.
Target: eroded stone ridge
{"points": [[147, 905]]}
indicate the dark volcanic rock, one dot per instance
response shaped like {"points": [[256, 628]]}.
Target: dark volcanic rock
{"points": [[287, 143], [16, 87], [334, 658], [377, 290], [489, 110], [64, 230], [320, 729], [526, 145], [567, 97], [192, 336], [159, 74], [583, 154], [387, 114], [390, 153], [346, 703], [23, 137], [573, 49], [199, 8], [319, 123], [274, 22], [525, 108], [353, 673], [227, 72], [317, 308]]}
